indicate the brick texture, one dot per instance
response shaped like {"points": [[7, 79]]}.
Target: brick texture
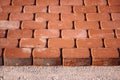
{"points": [[59, 32]]}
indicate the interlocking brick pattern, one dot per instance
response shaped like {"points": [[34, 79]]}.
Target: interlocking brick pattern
{"points": [[59, 32]]}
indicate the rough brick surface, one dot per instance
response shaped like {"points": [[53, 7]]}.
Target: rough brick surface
{"points": [[60, 32]]}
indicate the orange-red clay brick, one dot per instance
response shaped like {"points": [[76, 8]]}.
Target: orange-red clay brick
{"points": [[2, 33], [4, 2], [89, 43], [60, 43], [46, 33], [32, 42], [76, 57], [114, 2], [101, 33], [115, 16], [46, 2], [3, 16], [19, 34], [71, 2], [22, 2], [17, 56], [68, 34], [46, 57], [95, 2], [118, 33]]}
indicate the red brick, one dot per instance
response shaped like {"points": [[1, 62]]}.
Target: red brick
{"points": [[60, 43], [89, 43], [60, 9], [4, 2], [17, 56], [10, 9], [32, 42], [35, 9], [19, 34], [22, 2], [60, 25], [68, 34], [101, 33], [98, 17], [115, 16], [110, 24], [33, 25], [8, 43], [76, 57], [46, 33], [9, 24], [21, 16], [46, 2], [41, 57], [72, 17], [3, 16], [118, 33], [114, 2], [71, 2], [86, 25], [109, 9], [84, 9], [42, 17], [105, 56], [2, 33], [95, 2], [114, 43]]}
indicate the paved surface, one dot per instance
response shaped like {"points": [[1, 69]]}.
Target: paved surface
{"points": [[60, 73]]}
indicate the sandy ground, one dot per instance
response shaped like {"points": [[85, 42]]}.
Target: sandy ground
{"points": [[60, 73]]}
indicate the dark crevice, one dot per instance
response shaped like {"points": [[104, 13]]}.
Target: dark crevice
{"points": [[99, 25], [18, 43], [59, 16], [103, 45], [85, 16], [110, 16], [59, 2], [83, 2], [2, 56], [8, 18], [10, 2], [115, 36], [34, 2], [33, 16], [96, 9], [47, 9], [72, 11], [61, 56], [60, 36], [33, 33], [107, 2], [46, 24], [22, 9], [75, 46], [119, 51], [73, 25], [6, 33], [87, 34], [20, 25], [46, 43], [90, 56], [32, 56]]}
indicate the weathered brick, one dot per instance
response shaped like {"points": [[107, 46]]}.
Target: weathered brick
{"points": [[118, 33], [33, 25], [32, 42], [60, 43], [98, 17], [8, 43], [110, 24], [46, 2], [76, 57], [42, 17], [95, 2], [89, 43], [60, 24], [60, 9], [71, 2], [46, 33], [101, 33], [19, 34], [115, 16], [114, 2], [10, 9], [3, 16], [72, 17], [4, 2], [109, 9], [17, 56], [113, 43], [42, 58], [22, 2], [2, 33], [68, 34], [86, 25], [84, 9], [21, 16], [35, 9], [9, 24], [105, 56]]}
